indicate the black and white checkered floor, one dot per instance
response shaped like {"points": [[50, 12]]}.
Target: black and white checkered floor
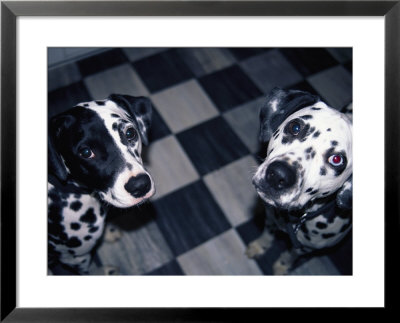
{"points": [[203, 150]]}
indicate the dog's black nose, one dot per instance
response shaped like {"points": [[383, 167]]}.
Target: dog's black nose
{"points": [[280, 175], [139, 185]]}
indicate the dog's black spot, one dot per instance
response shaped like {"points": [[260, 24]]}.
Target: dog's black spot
{"points": [[275, 134], [325, 193], [87, 238], [72, 252], [89, 216], [322, 171], [100, 102], [75, 226], [129, 166], [308, 190], [329, 129], [334, 143], [307, 117], [314, 232], [102, 211], [284, 140], [115, 115], [310, 153], [85, 126], [328, 235], [115, 126], [73, 242], [316, 134], [321, 225], [296, 165], [76, 205], [315, 108], [312, 129], [307, 237], [314, 192], [94, 229], [131, 153], [304, 228]]}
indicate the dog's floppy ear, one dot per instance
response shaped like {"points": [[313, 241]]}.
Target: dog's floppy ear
{"points": [[279, 104], [56, 165], [139, 107], [344, 197]]}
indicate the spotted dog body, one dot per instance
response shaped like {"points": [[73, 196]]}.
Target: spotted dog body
{"points": [[94, 160], [306, 178]]}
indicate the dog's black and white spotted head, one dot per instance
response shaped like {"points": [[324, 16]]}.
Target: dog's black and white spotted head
{"points": [[98, 145], [309, 154]]}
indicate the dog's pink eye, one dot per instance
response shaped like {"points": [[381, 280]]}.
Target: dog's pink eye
{"points": [[335, 160]]}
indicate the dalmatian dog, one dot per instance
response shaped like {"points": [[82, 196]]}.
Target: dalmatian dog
{"points": [[306, 179], [94, 160]]}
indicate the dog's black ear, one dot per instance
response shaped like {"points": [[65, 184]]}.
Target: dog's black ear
{"points": [[56, 165], [140, 108], [280, 104], [344, 197]]}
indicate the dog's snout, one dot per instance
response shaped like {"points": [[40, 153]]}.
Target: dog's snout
{"points": [[280, 175], [139, 185]]}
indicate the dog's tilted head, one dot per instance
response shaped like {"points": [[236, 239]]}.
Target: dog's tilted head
{"points": [[309, 154], [98, 145]]}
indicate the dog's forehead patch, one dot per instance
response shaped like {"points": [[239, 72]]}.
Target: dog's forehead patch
{"points": [[106, 109]]}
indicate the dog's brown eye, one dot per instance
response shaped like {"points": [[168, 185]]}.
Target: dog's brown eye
{"points": [[86, 153], [131, 134], [294, 128]]}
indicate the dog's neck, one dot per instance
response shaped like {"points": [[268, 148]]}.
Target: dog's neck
{"points": [[295, 219], [68, 186]]}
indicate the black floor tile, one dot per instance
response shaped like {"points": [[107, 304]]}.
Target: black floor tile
{"points": [[229, 88], [349, 66], [303, 86], [309, 60], [307, 87], [170, 269], [189, 217], [67, 97], [159, 128], [101, 62], [241, 53], [162, 70], [211, 145]]}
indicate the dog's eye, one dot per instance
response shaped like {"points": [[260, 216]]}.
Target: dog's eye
{"points": [[336, 160], [294, 128], [131, 134], [86, 153]]}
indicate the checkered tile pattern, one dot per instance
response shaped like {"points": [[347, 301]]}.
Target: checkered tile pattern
{"points": [[203, 150]]}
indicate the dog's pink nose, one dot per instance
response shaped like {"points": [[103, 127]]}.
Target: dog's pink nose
{"points": [[139, 185]]}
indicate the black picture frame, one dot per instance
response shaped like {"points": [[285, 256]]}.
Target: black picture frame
{"points": [[10, 10]]}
